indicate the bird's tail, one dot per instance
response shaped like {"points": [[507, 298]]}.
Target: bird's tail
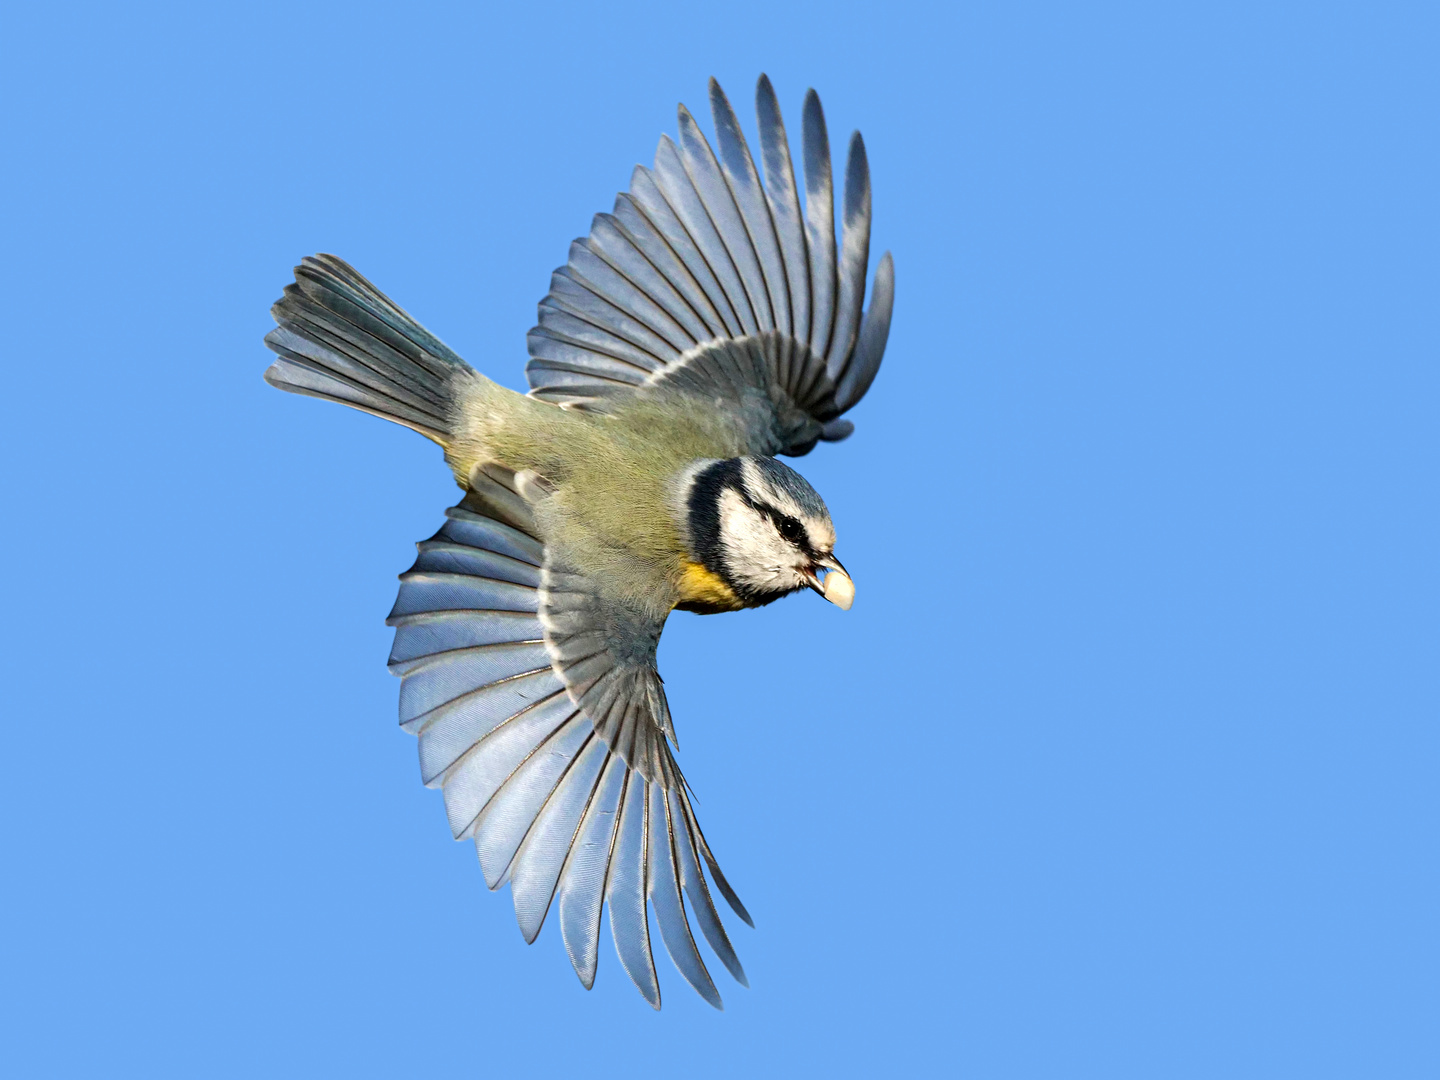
{"points": [[341, 339]]}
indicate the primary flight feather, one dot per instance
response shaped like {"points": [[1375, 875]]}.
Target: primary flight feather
{"points": [[704, 326]]}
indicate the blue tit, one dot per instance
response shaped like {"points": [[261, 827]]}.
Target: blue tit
{"points": [[706, 325]]}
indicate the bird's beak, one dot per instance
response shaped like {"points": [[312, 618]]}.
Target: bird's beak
{"points": [[837, 586]]}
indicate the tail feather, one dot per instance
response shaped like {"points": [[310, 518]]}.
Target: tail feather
{"points": [[340, 338]]}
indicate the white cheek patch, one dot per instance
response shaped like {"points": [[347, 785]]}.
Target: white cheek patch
{"points": [[754, 552]]}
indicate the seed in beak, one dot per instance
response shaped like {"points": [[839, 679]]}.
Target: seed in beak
{"points": [[839, 589]]}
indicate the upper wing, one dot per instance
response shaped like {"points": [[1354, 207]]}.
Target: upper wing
{"points": [[542, 717], [700, 266]]}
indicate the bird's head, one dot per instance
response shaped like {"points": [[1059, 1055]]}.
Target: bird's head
{"points": [[763, 530]]}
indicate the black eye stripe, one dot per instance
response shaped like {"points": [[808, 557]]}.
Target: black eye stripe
{"points": [[792, 530], [789, 528]]}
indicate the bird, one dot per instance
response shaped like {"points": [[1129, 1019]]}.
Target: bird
{"points": [[707, 325]]}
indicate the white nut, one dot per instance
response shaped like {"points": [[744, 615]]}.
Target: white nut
{"points": [[839, 589]]}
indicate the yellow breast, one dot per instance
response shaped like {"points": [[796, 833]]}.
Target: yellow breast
{"points": [[706, 589]]}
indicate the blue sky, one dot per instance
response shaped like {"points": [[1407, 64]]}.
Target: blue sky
{"points": [[1123, 764]]}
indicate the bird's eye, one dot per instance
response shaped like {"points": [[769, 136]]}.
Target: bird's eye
{"points": [[792, 531]]}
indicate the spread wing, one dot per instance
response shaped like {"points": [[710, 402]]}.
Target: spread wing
{"points": [[541, 716], [704, 282]]}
